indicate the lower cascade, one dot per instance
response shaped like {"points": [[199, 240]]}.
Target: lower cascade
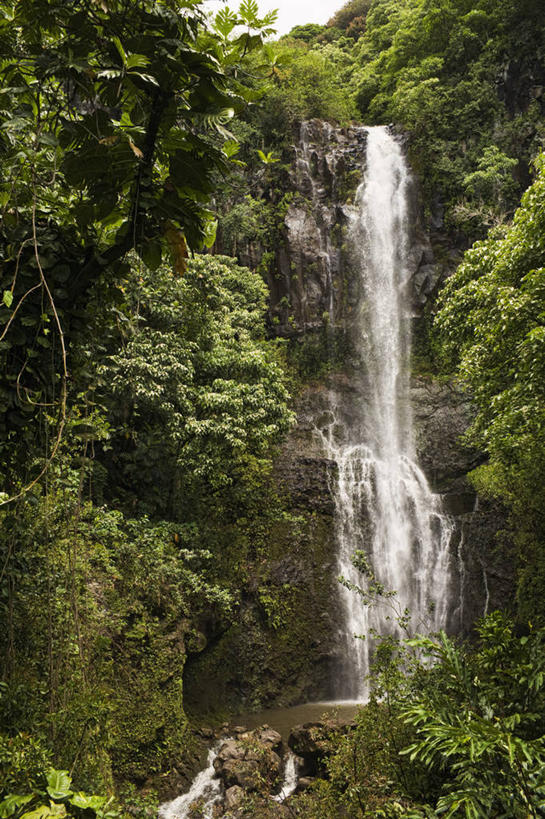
{"points": [[290, 778], [208, 789], [385, 509], [205, 790]]}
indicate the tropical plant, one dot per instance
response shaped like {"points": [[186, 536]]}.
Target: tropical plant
{"points": [[113, 119], [56, 798], [491, 329], [195, 395], [449, 730], [479, 722]]}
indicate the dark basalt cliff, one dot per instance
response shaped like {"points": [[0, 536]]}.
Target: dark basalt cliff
{"points": [[310, 278], [314, 292]]}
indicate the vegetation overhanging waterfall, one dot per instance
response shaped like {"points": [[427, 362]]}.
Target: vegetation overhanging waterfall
{"points": [[385, 509]]}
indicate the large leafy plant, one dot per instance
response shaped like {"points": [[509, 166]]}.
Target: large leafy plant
{"points": [[56, 798], [196, 395], [479, 722], [113, 122]]}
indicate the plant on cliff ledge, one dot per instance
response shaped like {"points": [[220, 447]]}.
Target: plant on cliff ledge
{"points": [[491, 325]]}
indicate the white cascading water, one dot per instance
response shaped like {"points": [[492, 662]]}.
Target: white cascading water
{"points": [[384, 506], [205, 790], [291, 778]]}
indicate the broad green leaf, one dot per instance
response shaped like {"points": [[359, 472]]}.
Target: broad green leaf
{"points": [[151, 255], [120, 50], [137, 61], [45, 812], [7, 298], [86, 802], [58, 784], [210, 230], [10, 805]]}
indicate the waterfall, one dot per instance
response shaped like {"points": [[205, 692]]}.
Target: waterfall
{"points": [[291, 778], [384, 506], [205, 790]]}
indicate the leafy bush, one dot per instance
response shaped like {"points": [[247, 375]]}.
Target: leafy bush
{"points": [[490, 326], [195, 393], [54, 797], [449, 730]]}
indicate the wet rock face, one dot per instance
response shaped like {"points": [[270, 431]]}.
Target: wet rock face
{"points": [[308, 272], [311, 282], [482, 572], [483, 568], [442, 414]]}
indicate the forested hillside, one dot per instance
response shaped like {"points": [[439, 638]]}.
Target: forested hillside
{"points": [[166, 534]]}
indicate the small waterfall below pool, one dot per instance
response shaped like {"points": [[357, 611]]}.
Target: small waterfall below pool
{"points": [[384, 506], [205, 791], [291, 778]]}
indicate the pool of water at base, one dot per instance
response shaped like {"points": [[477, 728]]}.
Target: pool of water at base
{"points": [[284, 719]]}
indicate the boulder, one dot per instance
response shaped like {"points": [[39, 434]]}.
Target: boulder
{"points": [[312, 743], [250, 762], [304, 783], [233, 798]]}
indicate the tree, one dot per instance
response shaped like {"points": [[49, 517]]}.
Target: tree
{"points": [[351, 17], [195, 395], [113, 118], [491, 327]]}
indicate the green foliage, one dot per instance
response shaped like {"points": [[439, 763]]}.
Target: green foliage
{"points": [[491, 329], [307, 33], [100, 605], [491, 176], [246, 222], [54, 797], [113, 120], [448, 731], [458, 77], [479, 723], [23, 759], [308, 81], [351, 17], [195, 394], [181, 399]]}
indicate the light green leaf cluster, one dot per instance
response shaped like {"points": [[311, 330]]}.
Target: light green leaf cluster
{"points": [[479, 723], [492, 324], [57, 799], [195, 386]]}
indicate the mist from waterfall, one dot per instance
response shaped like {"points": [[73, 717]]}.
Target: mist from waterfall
{"points": [[384, 506]]}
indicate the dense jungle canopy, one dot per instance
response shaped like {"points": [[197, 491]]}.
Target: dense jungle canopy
{"points": [[148, 383]]}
